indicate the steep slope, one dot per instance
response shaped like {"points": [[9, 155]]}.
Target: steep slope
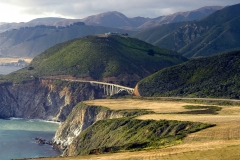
{"points": [[216, 76], [153, 34], [31, 41], [219, 32], [110, 58]]}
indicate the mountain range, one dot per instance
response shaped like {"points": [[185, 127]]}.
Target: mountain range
{"points": [[31, 38], [218, 32], [116, 20], [31, 41]]}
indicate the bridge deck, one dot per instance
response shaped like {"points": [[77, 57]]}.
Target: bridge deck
{"points": [[110, 88]]}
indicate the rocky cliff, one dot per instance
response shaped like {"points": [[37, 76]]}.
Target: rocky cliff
{"points": [[81, 117], [84, 116], [43, 99]]}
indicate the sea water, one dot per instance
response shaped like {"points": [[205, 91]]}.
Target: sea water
{"points": [[8, 69], [17, 138]]}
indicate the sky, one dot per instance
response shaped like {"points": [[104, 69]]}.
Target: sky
{"points": [[26, 10]]}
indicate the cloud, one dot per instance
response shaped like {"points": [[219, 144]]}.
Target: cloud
{"points": [[131, 8]]}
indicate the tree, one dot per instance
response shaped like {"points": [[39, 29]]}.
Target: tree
{"points": [[150, 52]]}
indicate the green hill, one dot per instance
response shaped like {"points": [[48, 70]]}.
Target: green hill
{"points": [[105, 58], [31, 41], [216, 77], [219, 32]]}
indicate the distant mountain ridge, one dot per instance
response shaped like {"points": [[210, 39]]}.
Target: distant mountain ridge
{"points": [[31, 41], [119, 20], [116, 19], [181, 16], [216, 33], [47, 21]]}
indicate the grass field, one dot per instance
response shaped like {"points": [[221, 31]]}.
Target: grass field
{"points": [[219, 142]]}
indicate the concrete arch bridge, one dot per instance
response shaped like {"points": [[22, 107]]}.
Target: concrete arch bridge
{"points": [[108, 88]]}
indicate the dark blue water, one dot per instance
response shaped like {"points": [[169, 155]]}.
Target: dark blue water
{"points": [[17, 139]]}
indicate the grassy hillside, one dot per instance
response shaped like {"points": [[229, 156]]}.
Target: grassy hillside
{"points": [[216, 76], [100, 57], [31, 41], [219, 32], [130, 134]]}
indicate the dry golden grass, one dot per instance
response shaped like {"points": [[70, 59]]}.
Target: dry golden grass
{"points": [[226, 152], [8, 60], [156, 106], [219, 142]]}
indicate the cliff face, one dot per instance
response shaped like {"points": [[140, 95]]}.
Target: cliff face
{"points": [[81, 117], [43, 99]]}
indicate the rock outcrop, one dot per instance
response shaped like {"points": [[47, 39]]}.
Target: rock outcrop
{"points": [[81, 117], [44, 99]]}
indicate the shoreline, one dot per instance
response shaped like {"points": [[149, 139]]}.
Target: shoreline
{"points": [[23, 132]]}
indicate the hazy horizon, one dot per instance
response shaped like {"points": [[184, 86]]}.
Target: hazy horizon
{"points": [[27, 10]]}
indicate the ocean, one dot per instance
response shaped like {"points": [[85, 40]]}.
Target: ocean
{"points": [[8, 69], [17, 138]]}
